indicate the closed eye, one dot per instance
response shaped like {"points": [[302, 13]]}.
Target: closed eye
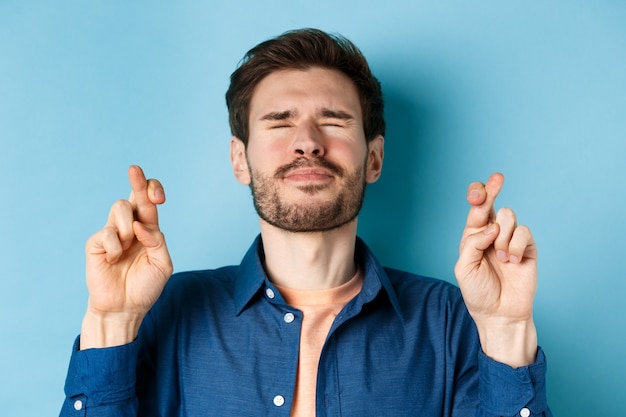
{"points": [[278, 119], [335, 118]]}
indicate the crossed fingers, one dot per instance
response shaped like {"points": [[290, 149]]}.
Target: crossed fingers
{"points": [[141, 206], [512, 242]]}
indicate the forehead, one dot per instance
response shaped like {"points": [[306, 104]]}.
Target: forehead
{"points": [[311, 89]]}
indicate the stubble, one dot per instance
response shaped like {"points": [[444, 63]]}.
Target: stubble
{"points": [[309, 217]]}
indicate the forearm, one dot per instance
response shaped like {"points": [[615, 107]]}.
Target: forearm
{"points": [[508, 342], [108, 330]]}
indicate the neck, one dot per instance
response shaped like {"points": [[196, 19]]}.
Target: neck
{"points": [[309, 261]]}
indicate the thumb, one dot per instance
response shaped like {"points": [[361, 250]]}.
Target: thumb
{"points": [[153, 241], [473, 248], [148, 237]]}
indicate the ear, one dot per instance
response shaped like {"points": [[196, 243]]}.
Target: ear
{"points": [[238, 160], [375, 154]]}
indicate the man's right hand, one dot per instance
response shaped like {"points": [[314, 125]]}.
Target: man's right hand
{"points": [[128, 265]]}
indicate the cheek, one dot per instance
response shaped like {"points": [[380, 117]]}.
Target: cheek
{"points": [[264, 160], [348, 154], [270, 150]]}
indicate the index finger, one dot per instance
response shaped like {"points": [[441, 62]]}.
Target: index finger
{"points": [[144, 206], [482, 198]]}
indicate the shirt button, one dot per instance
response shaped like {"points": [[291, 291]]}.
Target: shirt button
{"points": [[270, 293], [78, 405], [289, 317], [524, 412], [279, 401]]}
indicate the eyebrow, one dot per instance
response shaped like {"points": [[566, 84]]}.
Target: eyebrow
{"points": [[336, 114], [288, 114], [279, 115]]}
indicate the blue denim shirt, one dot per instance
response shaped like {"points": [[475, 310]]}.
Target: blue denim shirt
{"points": [[224, 343]]}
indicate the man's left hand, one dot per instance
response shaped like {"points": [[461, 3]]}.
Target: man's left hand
{"points": [[497, 274]]}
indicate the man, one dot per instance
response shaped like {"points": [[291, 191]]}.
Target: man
{"points": [[309, 323]]}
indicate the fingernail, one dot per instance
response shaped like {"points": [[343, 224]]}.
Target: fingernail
{"points": [[501, 255], [514, 259], [159, 193], [474, 194]]}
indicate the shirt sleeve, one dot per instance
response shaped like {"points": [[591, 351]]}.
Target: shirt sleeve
{"points": [[101, 382], [507, 391]]}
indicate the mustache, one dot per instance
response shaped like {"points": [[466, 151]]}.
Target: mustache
{"points": [[318, 162]]}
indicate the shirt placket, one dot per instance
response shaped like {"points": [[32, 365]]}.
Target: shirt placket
{"points": [[285, 358]]}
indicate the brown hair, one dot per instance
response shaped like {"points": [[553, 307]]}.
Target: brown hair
{"points": [[302, 49]]}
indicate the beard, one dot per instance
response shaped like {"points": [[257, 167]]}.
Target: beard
{"points": [[308, 217]]}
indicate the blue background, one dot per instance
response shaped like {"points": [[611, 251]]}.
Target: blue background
{"points": [[535, 89]]}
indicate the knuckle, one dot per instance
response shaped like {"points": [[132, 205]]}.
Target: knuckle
{"points": [[506, 212], [122, 215], [506, 216], [153, 182], [523, 231], [121, 206], [108, 233]]}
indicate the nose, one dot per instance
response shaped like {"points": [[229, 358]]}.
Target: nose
{"points": [[308, 141]]}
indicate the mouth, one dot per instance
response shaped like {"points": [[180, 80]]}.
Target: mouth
{"points": [[308, 170], [309, 175]]}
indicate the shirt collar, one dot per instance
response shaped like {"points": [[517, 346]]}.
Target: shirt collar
{"points": [[251, 277]]}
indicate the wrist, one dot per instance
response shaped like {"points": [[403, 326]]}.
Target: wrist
{"points": [[510, 342], [101, 330]]}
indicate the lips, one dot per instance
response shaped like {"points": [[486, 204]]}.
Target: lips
{"points": [[306, 168], [310, 174]]}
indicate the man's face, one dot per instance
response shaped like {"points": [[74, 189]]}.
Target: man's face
{"points": [[307, 160]]}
